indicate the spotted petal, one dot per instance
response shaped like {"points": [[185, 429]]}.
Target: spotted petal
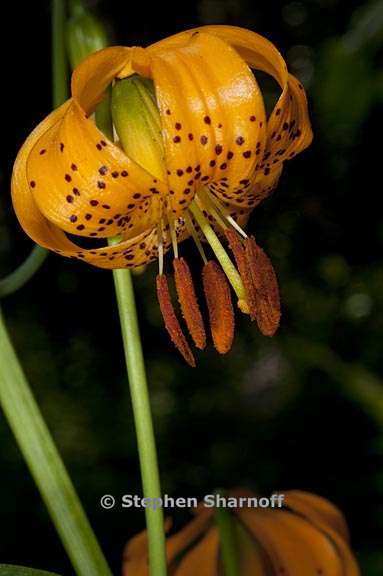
{"points": [[212, 112]]}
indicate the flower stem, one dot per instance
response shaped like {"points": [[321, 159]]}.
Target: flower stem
{"points": [[142, 417], [60, 73], [228, 544], [24, 272], [45, 464]]}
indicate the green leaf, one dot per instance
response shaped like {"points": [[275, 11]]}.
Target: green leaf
{"points": [[8, 570]]}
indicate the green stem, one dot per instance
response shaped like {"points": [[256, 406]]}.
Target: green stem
{"points": [[24, 272], [138, 391], [60, 73], [142, 418], [45, 464], [227, 540]]}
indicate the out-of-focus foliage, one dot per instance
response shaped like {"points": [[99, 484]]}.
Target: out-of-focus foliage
{"points": [[302, 410]]}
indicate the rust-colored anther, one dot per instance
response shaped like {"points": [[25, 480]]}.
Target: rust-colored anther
{"points": [[221, 313], [171, 323], [266, 286], [243, 268], [188, 302]]}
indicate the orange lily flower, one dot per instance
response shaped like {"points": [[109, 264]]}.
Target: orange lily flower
{"points": [[308, 537], [221, 157]]}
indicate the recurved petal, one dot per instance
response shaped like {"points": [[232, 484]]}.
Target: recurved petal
{"points": [[289, 130], [131, 252], [135, 557], [317, 509], [183, 539], [223, 117], [293, 545], [27, 211], [96, 72], [134, 252], [202, 559], [86, 185]]}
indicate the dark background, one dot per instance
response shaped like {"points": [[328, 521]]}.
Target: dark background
{"points": [[302, 410]]}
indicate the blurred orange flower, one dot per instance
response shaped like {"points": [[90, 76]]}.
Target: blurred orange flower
{"points": [[308, 537], [216, 157]]}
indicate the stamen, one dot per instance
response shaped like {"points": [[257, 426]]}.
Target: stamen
{"points": [[171, 323], [243, 267], [268, 310], [173, 236], [221, 254], [193, 233], [188, 302], [160, 249], [236, 226], [209, 205], [223, 211], [218, 299]]}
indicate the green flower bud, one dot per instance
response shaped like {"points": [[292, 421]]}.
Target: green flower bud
{"points": [[85, 33], [136, 119]]}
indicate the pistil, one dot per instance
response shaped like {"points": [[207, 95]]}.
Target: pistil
{"points": [[224, 259]]}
